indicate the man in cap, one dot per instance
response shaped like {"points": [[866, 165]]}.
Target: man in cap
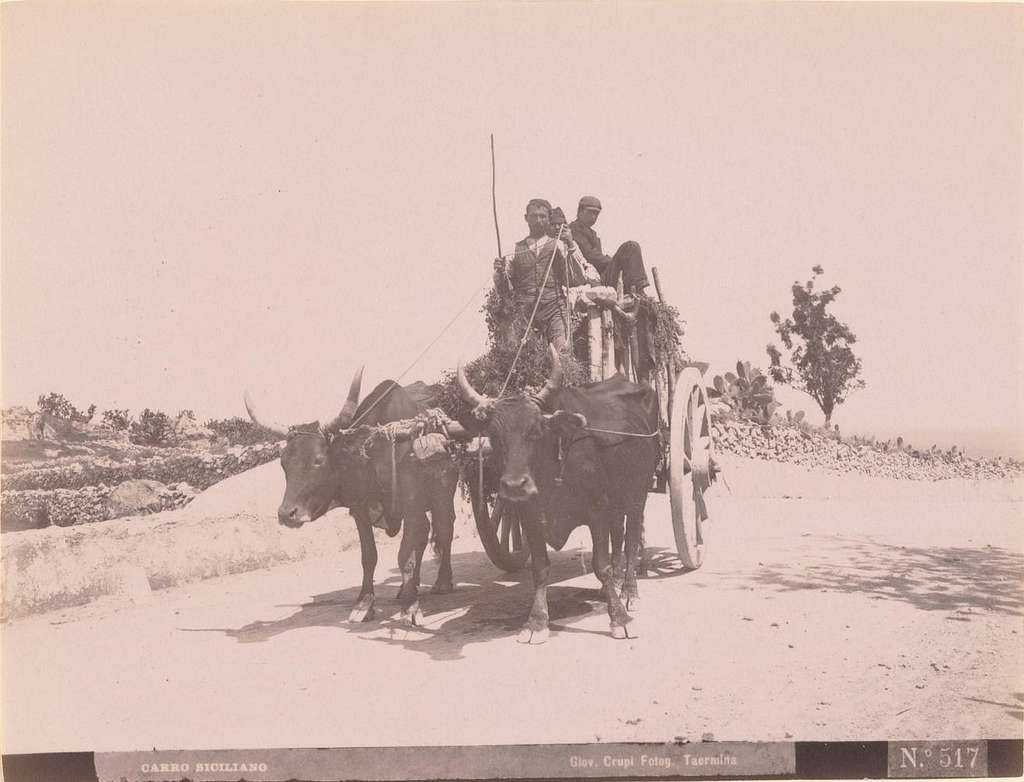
{"points": [[580, 272], [628, 261], [527, 273]]}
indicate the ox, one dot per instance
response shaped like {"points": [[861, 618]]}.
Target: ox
{"points": [[563, 473], [335, 466]]}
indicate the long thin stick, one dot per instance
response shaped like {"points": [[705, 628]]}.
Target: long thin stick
{"points": [[494, 198], [657, 283]]}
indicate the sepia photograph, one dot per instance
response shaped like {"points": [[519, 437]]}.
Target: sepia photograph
{"points": [[444, 390]]}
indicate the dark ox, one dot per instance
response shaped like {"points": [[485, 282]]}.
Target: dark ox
{"points": [[563, 474], [333, 465]]}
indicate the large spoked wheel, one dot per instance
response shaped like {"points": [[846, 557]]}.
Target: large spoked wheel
{"points": [[501, 531], [690, 464]]}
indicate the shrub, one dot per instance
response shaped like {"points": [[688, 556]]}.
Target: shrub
{"points": [[117, 420], [241, 431], [152, 428], [747, 393]]}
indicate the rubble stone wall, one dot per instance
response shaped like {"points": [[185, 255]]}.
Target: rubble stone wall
{"points": [[811, 448]]}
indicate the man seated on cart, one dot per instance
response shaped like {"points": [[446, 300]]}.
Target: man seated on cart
{"points": [[579, 272], [628, 261]]}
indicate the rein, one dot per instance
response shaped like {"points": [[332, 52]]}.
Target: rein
{"points": [[624, 434], [562, 449]]}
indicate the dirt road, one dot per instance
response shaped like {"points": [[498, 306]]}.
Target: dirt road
{"points": [[815, 619]]}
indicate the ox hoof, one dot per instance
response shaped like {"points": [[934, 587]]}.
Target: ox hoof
{"points": [[528, 636], [442, 588], [630, 630], [362, 613], [413, 617]]}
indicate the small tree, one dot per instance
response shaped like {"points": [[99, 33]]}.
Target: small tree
{"points": [[59, 406], [824, 365]]}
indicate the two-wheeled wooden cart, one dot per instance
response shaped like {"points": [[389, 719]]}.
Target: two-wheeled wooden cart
{"points": [[686, 471]]}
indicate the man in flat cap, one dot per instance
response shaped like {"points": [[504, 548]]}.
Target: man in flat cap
{"points": [[579, 272], [524, 272], [628, 261]]}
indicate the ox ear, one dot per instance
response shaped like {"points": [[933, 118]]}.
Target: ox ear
{"points": [[565, 423]]}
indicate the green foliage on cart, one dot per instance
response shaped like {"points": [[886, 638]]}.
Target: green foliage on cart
{"points": [[666, 329], [487, 372], [505, 327]]}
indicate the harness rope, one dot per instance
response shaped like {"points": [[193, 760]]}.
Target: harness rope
{"points": [[562, 449], [624, 434], [394, 383], [433, 418]]}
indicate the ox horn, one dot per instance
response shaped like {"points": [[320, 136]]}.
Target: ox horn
{"points": [[554, 381], [348, 410], [250, 408], [471, 395]]}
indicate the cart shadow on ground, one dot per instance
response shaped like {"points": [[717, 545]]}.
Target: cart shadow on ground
{"points": [[963, 581], [486, 606]]}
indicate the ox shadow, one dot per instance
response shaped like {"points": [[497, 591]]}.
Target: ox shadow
{"points": [[963, 582], [486, 605]]}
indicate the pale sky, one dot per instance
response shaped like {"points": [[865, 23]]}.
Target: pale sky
{"points": [[199, 198]]}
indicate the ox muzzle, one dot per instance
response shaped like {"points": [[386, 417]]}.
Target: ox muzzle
{"points": [[293, 516], [517, 489]]}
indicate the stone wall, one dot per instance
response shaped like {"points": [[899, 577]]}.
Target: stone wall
{"points": [[811, 448], [75, 490]]}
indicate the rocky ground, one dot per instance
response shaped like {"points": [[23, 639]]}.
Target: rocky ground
{"points": [[60, 473]]}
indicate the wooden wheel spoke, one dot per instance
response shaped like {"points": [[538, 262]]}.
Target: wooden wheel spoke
{"points": [[498, 524], [705, 423]]}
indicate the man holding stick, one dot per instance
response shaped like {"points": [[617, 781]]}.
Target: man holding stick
{"points": [[535, 273]]}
